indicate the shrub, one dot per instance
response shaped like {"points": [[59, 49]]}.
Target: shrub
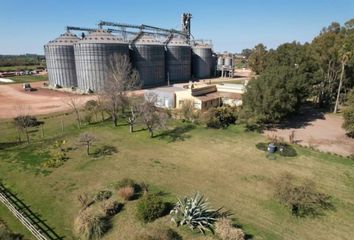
{"points": [[150, 207], [220, 117], [127, 193], [126, 182], [6, 234], [105, 150], [103, 195], [302, 198], [160, 234], [110, 208], [90, 226], [195, 213], [352, 157], [84, 200], [225, 230]]}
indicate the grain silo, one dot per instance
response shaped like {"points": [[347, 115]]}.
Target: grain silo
{"points": [[228, 61], [92, 54], [201, 60], [178, 60], [148, 58], [60, 59]]}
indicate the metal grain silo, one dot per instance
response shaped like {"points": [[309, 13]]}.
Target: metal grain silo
{"points": [[92, 54], [60, 59], [220, 61], [202, 61], [178, 60], [148, 57], [228, 61]]}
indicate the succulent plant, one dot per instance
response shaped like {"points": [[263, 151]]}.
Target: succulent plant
{"points": [[195, 213]]}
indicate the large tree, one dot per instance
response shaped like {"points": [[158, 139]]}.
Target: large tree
{"points": [[348, 115], [257, 59], [122, 78]]}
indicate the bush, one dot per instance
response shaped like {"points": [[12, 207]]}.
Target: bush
{"points": [[105, 150], [127, 193], [220, 117], [103, 195], [127, 182], [110, 208], [90, 226], [150, 207], [160, 234], [302, 198], [5, 233], [225, 230]]}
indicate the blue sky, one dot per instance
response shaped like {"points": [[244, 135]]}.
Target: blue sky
{"points": [[26, 25]]}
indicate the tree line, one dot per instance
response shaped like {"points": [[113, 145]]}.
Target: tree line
{"points": [[321, 71], [21, 60]]}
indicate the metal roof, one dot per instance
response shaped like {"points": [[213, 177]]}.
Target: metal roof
{"points": [[146, 39], [64, 39], [101, 36], [179, 41]]}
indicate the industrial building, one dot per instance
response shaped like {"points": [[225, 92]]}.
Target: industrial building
{"points": [[161, 56], [203, 96]]}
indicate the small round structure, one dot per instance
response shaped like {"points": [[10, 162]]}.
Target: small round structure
{"points": [[202, 61], [92, 55], [148, 57], [178, 60], [60, 59]]}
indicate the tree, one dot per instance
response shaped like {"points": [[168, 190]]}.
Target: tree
{"points": [[348, 115], [87, 139], [121, 78], [132, 115], [257, 59], [246, 52], [74, 104], [277, 93], [187, 110], [23, 122], [92, 108], [150, 115]]}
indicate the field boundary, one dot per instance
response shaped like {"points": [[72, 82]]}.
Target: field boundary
{"points": [[36, 226]]}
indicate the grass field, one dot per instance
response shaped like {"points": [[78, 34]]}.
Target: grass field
{"points": [[224, 165], [29, 78]]}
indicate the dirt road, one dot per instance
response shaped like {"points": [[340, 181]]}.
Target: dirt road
{"points": [[319, 130], [14, 100]]}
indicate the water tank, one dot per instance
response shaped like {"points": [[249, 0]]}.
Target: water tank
{"points": [[202, 61], [228, 61], [60, 59], [148, 57], [92, 55], [178, 60]]}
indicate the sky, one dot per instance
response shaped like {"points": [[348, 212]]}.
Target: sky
{"points": [[232, 25]]}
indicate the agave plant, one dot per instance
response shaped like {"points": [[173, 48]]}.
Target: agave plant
{"points": [[195, 213]]}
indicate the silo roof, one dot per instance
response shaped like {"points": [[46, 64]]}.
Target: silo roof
{"points": [[64, 39], [101, 36], [179, 41], [146, 39]]}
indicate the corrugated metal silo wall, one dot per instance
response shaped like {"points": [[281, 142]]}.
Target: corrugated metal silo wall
{"points": [[202, 61], [61, 65], [92, 63], [228, 61], [178, 63], [149, 61]]}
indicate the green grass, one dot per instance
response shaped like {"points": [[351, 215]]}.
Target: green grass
{"points": [[225, 165], [28, 78]]}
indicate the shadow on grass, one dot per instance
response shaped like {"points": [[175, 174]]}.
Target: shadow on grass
{"points": [[6, 145], [176, 134], [33, 217]]}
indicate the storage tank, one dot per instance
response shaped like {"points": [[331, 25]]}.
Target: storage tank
{"points": [[178, 60], [60, 59], [92, 55], [220, 61], [228, 61], [202, 61], [148, 57]]}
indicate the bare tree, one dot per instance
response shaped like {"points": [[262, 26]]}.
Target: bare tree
{"points": [[150, 114], [121, 78], [87, 139], [132, 115], [23, 122], [73, 103]]}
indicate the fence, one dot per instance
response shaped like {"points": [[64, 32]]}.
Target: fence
{"points": [[23, 213]]}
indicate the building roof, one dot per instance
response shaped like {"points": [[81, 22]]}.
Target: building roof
{"points": [[101, 36], [216, 95], [64, 39]]}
